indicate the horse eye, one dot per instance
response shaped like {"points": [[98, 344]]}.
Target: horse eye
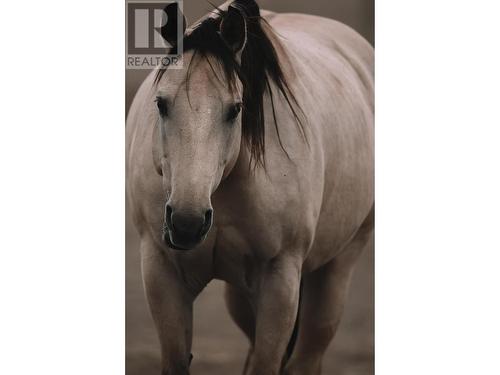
{"points": [[233, 112], [162, 106]]}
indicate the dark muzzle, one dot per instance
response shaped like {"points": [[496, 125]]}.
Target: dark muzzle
{"points": [[184, 229]]}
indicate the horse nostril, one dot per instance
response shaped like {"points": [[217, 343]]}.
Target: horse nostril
{"points": [[168, 215], [208, 215], [208, 221]]}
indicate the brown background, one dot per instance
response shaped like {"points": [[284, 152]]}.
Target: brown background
{"points": [[219, 348]]}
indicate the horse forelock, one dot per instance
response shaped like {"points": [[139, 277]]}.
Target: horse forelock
{"points": [[260, 65]]}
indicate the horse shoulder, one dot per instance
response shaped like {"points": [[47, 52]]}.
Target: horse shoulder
{"points": [[144, 191], [337, 63]]}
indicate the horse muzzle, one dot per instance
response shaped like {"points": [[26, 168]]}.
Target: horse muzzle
{"points": [[184, 230]]}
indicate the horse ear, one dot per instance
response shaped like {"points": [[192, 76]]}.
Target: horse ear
{"points": [[233, 29], [169, 30]]}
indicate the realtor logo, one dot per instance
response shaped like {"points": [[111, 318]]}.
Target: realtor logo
{"points": [[147, 25]]}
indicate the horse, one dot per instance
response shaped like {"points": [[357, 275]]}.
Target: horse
{"points": [[254, 164]]}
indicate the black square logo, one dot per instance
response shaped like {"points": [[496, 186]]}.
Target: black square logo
{"points": [[146, 46]]}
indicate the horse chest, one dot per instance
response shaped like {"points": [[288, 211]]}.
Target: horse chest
{"points": [[237, 260]]}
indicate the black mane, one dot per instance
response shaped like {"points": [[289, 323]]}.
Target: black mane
{"points": [[259, 65]]}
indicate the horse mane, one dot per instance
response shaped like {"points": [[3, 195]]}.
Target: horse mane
{"points": [[259, 67]]}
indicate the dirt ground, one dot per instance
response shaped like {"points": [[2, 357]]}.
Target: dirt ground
{"points": [[219, 348]]}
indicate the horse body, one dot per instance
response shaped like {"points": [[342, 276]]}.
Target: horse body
{"points": [[307, 215]]}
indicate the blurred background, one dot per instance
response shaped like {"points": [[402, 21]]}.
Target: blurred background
{"points": [[219, 348]]}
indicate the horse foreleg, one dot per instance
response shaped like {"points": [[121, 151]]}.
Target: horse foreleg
{"points": [[171, 306], [241, 311], [322, 303], [276, 302]]}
